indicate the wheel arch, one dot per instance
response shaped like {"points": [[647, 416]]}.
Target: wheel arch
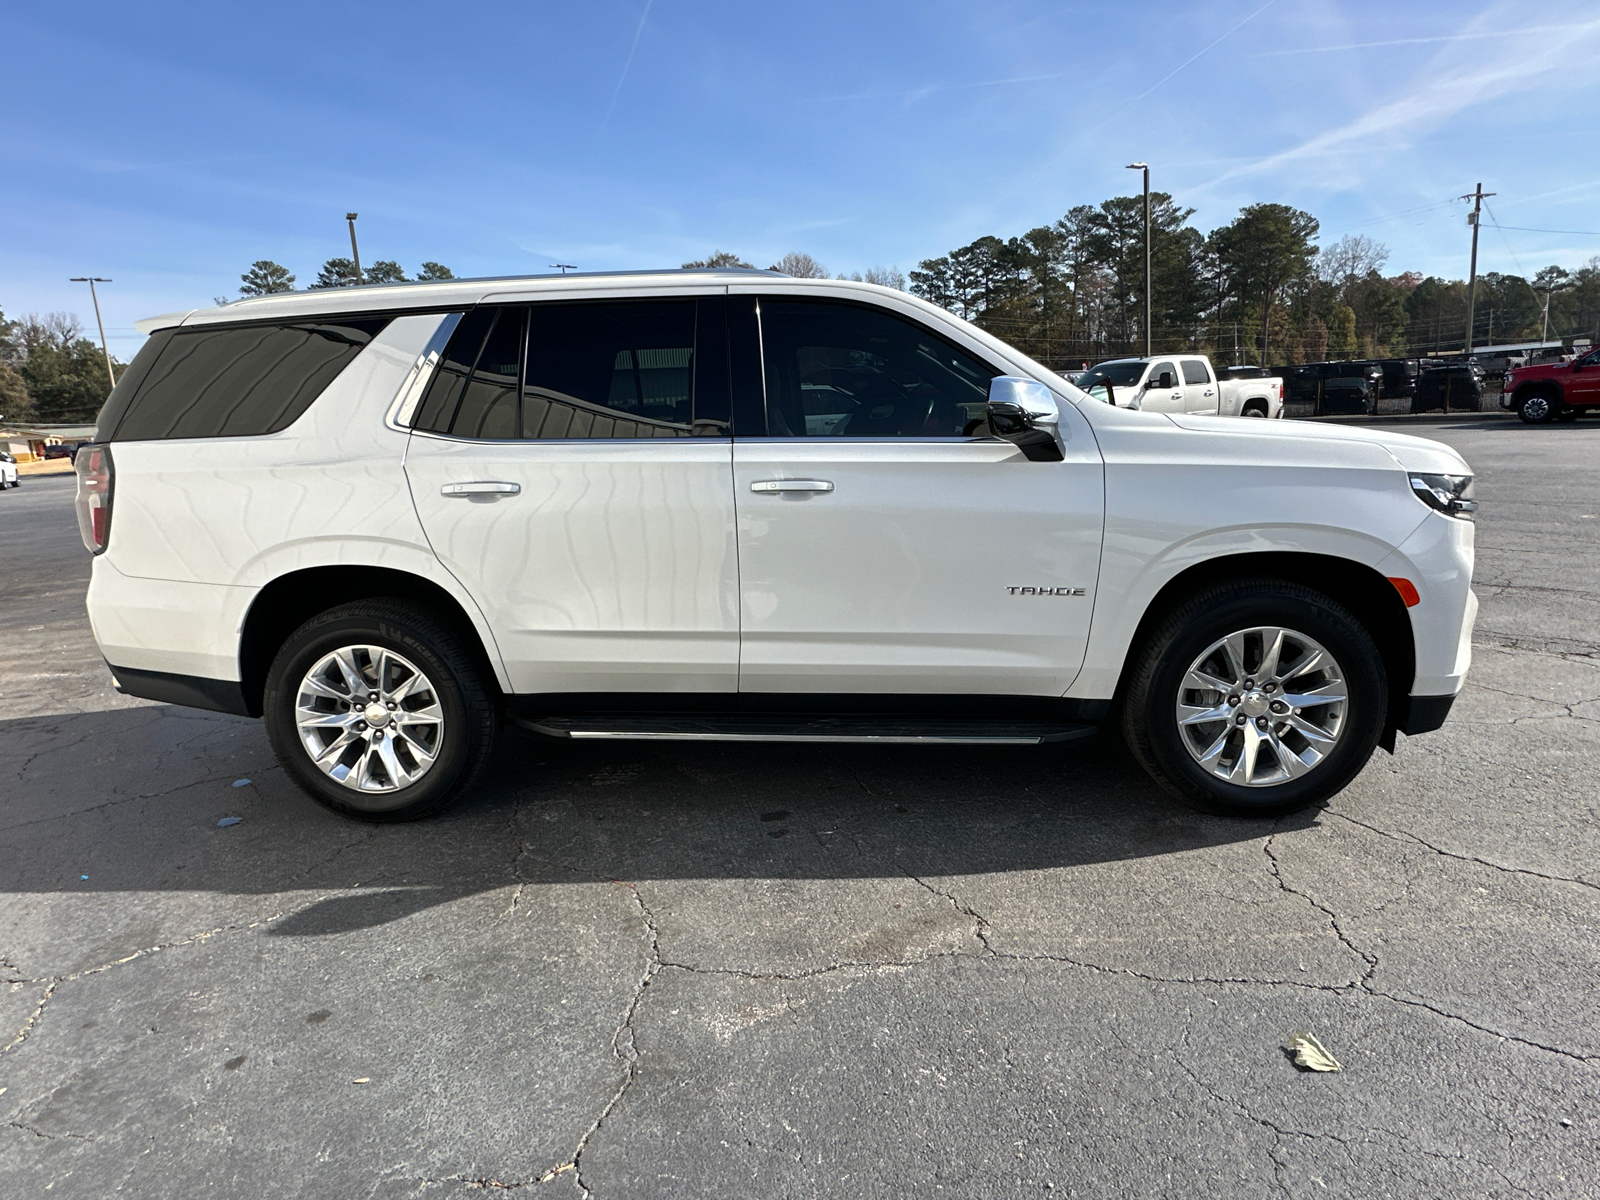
{"points": [[1533, 387], [1370, 597], [291, 599]]}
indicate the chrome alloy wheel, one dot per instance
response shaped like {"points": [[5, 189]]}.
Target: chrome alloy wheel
{"points": [[369, 719], [1536, 408], [1262, 706]]}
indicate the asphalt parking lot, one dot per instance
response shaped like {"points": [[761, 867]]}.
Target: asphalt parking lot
{"points": [[784, 972]]}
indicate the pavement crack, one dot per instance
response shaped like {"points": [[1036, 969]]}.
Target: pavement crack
{"points": [[33, 1018], [1406, 836], [1586, 1059], [1275, 868], [980, 923], [50, 1137]]}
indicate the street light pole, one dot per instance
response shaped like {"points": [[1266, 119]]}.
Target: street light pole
{"points": [[1145, 167], [91, 280], [354, 253]]}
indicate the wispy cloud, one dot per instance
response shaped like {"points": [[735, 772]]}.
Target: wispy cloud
{"points": [[1436, 92], [1418, 41], [917, 93], [627, 63]]}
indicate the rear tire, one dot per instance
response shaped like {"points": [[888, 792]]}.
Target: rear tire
{"points": [[377, 710], [1330, 738]]}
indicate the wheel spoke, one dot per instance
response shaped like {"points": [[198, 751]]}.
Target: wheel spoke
{"points": [[1271, 651], [1314, 734], [317, 688], [310, 719], [1312, 660], [334, 750], [346, 662], [418, 750], [1214, 751], [1190, 715], [1293, 765], [398, 775], [407, 686], [1233, 647], [1328, 693], [1244, 767], [1202, 681]]}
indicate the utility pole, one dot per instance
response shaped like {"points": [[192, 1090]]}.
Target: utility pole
{"points": [[564, 267], [1477, 198], [1145, 167], [91, 280], [354, 253]]}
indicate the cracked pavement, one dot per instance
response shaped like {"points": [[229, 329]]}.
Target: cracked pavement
{"points": [[633, 970]]}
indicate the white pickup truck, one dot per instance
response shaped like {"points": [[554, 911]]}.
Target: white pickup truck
{"points": [[1181, 383]]}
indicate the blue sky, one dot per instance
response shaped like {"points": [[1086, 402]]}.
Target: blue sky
{"points": [[169, 146]]}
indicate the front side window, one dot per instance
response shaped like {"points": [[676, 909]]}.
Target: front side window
{"points": [[846, 370], [1162, 368], [1117, 374], [1194, 371]]}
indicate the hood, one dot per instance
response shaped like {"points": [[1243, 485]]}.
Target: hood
{"points": [[1412, 453]]}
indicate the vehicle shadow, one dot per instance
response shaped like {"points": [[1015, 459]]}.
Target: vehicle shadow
{"points": [[128, 800]]}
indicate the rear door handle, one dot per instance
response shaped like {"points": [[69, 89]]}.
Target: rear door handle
{"points": [[481, 487], [791, 485]]}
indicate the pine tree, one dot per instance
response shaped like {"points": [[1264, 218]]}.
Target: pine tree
{"points": [[337, 272], [433, 270], [385, 271], [266, 277]]}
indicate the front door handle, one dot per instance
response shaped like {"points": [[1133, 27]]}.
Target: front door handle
{"points": [[791, 485], [481, 487]]}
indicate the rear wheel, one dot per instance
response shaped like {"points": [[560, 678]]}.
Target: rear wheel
{"points": [[378, 712], [1256, 699], [1537, 408], [1255, 410]]}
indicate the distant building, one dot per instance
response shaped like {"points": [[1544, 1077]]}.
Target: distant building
{"points": [[27, 442]]}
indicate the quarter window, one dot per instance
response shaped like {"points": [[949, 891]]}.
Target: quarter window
{"points": [[242, 380], [846, 370]]}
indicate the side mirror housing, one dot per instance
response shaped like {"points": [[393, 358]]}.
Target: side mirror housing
{"points": [[1165, 381], [1024, 413]]}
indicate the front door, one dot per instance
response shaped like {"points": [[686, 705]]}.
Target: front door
{"points": [[1163, 399], [886, 545], [1583, 385], [570, 466]]}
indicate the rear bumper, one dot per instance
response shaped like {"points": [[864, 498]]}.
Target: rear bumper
{"points": [[190, 691]]}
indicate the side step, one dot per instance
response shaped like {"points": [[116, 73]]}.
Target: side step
{"points": [[744, 727]]}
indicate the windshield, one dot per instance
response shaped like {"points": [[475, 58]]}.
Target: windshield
{"points": [[1119, 374]]}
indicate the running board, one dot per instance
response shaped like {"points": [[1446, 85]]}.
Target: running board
{"points": [[757, 728]]}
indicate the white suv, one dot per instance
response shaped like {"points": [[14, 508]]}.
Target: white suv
{"points": [[736, 505]]}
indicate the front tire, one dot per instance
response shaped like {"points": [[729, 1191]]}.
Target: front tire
{"points": [[378, 712], [1256, 698], [1538, 408]]}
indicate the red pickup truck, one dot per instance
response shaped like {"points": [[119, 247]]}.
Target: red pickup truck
{"points": [[1553, 391]]}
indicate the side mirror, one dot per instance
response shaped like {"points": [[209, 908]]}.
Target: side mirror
{"points": [[1024, 413], [1165, 381]]}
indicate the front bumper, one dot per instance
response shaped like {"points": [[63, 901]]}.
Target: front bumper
{"points": [[1424, 714]]}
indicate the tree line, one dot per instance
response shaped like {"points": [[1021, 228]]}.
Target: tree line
{"points": [[1258, 290], [265, 277], [50, 372]]}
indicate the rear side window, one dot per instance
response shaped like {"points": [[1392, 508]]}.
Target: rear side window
{"points": [[1194, 371], [598, 369], [244, 380]]}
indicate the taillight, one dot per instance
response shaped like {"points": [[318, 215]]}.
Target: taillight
{"points": [[95, 478]]}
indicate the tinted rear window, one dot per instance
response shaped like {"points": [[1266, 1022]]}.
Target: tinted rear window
{"points": [[244, 380]]}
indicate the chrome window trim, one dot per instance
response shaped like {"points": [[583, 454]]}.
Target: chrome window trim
{"points": [[519, 441], [403, 411]]}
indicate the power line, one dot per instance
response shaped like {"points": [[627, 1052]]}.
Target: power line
{"points": [[1578, 232]]}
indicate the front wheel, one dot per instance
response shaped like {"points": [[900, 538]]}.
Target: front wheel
{"points": [[377, 710], [1256, 699], [1537, 409]]}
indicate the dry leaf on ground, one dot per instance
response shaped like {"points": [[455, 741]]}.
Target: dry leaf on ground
{"points": [[1312, 1054]]}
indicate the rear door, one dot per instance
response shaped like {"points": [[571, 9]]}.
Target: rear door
{"points": [[1583, 385], [570, 464], [886, 543]]}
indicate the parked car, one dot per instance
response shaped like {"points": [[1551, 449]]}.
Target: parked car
{"points": [[1333, 389], [1449, 387], [701, 505], [1553, 391], [1397, 376], [1181, 383], [61, 450], [8, 471]]}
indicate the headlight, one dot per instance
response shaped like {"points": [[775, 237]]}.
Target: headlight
{"points": [[1450, 494]]}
